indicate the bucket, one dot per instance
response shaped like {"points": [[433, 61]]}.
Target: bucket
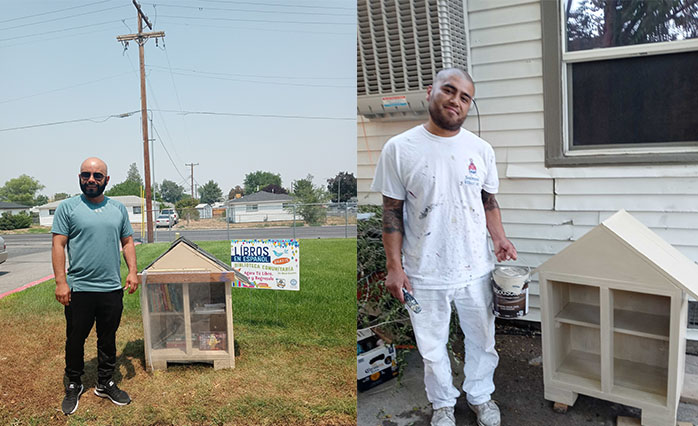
{"points": [[510, 286]]}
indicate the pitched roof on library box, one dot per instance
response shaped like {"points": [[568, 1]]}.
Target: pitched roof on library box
{"points": [[185, 256], [623, 249]]}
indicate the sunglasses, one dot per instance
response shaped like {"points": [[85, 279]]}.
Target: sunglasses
{"points": [[97, 175]]}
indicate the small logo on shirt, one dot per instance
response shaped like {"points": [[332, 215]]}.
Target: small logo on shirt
{"points": [[471, 168], [472, 178]]}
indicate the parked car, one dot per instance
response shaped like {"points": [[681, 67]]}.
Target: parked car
{"points": [[165, 220], [172, 213], [3, 250]]}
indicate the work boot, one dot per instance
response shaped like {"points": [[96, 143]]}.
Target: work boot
{"points": [[72, 396], [487, 413], [111, 391], [443, 417]]}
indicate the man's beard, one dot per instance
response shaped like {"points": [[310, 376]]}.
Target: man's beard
{"points": [[92, 192], [441, 120]]}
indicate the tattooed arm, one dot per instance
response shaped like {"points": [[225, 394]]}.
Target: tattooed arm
{"points": [[503, 248], [393, 230]]}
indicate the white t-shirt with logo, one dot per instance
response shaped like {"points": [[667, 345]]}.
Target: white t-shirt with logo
{"points": [[440, 180]]}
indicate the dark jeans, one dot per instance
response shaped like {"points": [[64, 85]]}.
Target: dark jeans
{"points": [[84, 309]]}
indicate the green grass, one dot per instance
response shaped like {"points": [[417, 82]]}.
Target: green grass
{"points": [[295, 362]]}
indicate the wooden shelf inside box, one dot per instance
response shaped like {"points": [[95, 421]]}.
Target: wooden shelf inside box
{"points": [[580, 314], [641, 381], [584, 368], [641, 324]]}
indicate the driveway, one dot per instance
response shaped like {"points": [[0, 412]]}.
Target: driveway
{"points": [[29, 259]]}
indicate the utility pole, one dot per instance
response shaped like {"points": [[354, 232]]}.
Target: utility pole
{"points": [[192, 177], [141, 38]]}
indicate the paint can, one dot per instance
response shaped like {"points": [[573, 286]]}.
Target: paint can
{"points": [[510, 286]]}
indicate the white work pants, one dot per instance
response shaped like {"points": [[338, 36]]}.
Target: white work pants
{"points": [[431, 326]]}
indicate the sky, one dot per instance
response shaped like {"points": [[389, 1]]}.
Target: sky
{"points": [[235, 86]]}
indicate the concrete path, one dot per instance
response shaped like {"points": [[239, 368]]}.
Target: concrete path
{"points": [[519, 395]]}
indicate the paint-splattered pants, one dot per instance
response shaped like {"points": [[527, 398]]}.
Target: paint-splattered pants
{"points": [[431, 328]]}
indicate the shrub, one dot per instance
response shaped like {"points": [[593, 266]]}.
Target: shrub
{"points": [[20, 220]]}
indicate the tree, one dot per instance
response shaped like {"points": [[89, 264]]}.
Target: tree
{"points": [[256, 180], [606, 23], [60, 196], [131, 186], [274, 189], [345, 183], [309, 196], [186, 208], [171, 192], [235, 191], [21, 190], [40, 200], [210, 192]]}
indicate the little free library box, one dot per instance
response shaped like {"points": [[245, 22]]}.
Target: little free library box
{"points": [[614, 319], [187, 310]]}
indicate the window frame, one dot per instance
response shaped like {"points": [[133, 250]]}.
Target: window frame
{"points": [[556, 112], [250, 208], [133, 209]]}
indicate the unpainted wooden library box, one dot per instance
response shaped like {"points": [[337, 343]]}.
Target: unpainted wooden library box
{"points": [[187, 309], [614, 308]]}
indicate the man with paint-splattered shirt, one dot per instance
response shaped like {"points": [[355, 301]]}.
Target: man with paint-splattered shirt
{"points": [[438, 183]]}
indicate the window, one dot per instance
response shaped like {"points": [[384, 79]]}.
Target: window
{"points": [[51, 212], [251, 207], [619, 88], [136, 209], [286, 205]]}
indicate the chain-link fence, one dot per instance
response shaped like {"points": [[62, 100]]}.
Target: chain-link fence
{"points": [[254, 220]]}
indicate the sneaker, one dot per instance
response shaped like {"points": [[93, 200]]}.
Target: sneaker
{"points": [[443, 417], [487, 413], [111, 391], [72, 396]]}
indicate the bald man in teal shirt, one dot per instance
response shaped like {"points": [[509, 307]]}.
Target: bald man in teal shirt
{"points": [[91, 227]]}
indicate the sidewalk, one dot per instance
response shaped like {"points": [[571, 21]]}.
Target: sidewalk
{"points": [[519, 394]]}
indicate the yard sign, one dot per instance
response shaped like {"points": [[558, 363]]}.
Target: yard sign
{"points": [[271, 264]]}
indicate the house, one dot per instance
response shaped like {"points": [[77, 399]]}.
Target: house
{"points": [[12, 208], [205, 211], [566, 160], [261, 207], [134, 205]]}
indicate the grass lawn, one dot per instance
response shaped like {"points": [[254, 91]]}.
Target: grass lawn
{"points": [[295, 355]]}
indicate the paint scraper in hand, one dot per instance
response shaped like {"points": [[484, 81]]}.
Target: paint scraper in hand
{"points": [[411, 302]]}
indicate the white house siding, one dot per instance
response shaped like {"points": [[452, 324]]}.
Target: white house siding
{"points": [[544, 210], [265, 213]]}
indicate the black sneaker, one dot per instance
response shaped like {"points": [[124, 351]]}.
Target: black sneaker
{"points": [[111, 391], [72, 396]]}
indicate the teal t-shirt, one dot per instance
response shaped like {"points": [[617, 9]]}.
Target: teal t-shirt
{"points": [[94, 234]]}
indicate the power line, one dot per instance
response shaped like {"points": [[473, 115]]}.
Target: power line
{"points": [[63, 88], [265, 30], [259, 20], [54, 11], [279, 5], [263, 82], [128, 114], [250, 10], [56, 38], [168, 153], [61, 30], [55, 123], [255, 75], [240, 114], [61, 18]]}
